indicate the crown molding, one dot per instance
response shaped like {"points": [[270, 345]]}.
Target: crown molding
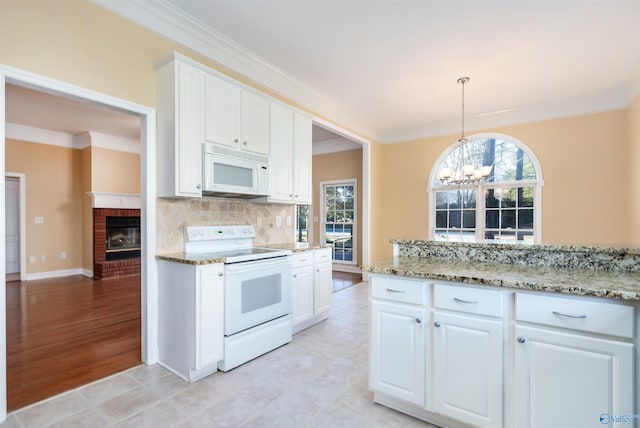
{"points": [[16, 131], [31, 134], [334, 145], [614, 99], [171, 22]]}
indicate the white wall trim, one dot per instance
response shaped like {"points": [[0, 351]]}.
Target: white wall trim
{"points": [[114, 200], [31, 134], [23, 220], [53, 274], [148, 206], [335, 145]]}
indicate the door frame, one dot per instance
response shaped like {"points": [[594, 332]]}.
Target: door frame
{"points": [[341, 265], [149, 284], [22, 212]]}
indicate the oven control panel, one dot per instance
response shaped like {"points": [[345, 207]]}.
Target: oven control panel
{"points": [[214, 233]]}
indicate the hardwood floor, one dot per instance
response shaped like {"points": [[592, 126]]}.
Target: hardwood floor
{"points": [[344, 279], [66, 332]]}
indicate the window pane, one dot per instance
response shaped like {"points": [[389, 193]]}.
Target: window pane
{"points": [[508, 198], [331, 216], [469, 198], [508, 219], [490, 199], [348, 216], [525, 219], [507, 236], [441, 219], [442, 199], [331, 192], [492, 218], [525, 198], [455, 200], [469, 219], [454, 219]]}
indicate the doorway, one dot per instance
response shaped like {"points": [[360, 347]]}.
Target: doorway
{"points": [[12, 227], [148, 287]]}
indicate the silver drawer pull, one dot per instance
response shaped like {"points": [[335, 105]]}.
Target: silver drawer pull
{"points": [[568, 315], [464, 301], [390, 290]]}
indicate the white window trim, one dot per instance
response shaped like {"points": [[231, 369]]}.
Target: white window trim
{"points": [[323, 229], [480, 209]]}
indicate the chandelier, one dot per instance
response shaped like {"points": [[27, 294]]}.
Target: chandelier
{"points": [[464, 170]]}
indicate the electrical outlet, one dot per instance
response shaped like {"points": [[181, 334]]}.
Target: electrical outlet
{"points": [[43, 258], [32, 259], [63, 255], [39, 220], [278, 221]]}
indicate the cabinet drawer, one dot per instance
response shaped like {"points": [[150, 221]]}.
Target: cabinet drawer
{"points": [[468, 299], [576, 314], [398, 290], [323, 255], [302, 259]]}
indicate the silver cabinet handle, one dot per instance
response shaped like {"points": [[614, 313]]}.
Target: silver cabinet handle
{"points": [[418, 321], [198, 186], [437, 324], [220, 274], [245, 143], [464, 301], [562, 314], [521, 339], [391, 290], [235, 140]]}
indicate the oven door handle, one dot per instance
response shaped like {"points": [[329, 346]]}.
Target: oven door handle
{"points": [[259, 264]]}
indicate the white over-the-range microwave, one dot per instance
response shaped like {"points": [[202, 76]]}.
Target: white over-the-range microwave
{"points": [[234, 173]]}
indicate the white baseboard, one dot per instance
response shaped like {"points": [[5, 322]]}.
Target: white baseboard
{"points": [[55, 274], [87, 272]]}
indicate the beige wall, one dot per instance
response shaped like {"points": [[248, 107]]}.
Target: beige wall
{"points": [[115, 171], [338, 166], [633, 125], [54, 192], [577, 207]]}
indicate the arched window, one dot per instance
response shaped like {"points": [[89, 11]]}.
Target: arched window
{"points": [[504, 207]]}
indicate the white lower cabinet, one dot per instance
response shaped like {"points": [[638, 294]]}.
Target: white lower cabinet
{"points": [[559, 362], [566, 378], [398, 339], [312, 282], [467, 368], [190, 318], [398, 351]]}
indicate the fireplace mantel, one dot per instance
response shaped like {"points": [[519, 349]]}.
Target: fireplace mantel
{"points": [[114, 200]]}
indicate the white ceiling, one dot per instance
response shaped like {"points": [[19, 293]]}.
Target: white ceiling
{"points": [[388, 68]]}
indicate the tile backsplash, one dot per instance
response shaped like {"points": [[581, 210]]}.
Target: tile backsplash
{"points": [[175, 214]]}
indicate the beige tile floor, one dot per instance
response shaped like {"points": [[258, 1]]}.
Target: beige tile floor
{"points": [[317, 380]]}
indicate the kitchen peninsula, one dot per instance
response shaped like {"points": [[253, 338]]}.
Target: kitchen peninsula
{"points": [[468, 334]]}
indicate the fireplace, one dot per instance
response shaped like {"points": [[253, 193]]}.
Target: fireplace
{"points": [[123, 238], [116, 242]]}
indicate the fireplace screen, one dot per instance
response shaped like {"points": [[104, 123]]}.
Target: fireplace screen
{"points": [[123, 237]]}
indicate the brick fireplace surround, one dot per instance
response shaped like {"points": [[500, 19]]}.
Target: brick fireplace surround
{"points": [[102, 268]]}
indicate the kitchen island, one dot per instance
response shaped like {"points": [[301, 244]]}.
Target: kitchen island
{"points": [[466, 334]]}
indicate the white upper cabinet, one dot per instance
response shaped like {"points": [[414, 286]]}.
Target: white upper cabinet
{"points": [[235, 117], [180, 92], [290, 156]]}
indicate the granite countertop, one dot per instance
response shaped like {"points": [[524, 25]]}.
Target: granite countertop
{"points": [[614, 285], [206, 259]]}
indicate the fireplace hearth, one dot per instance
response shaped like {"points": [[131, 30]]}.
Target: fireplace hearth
{"points": [[116, 242]]}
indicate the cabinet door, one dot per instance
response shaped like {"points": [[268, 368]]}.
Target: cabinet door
{"points": [[398, 351], [302, 139], [322, 283], [281, 149], [255, 123], [302, 294], [189, 130], [222, 112], [210, 316], [570, 380], [467, 368]]}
